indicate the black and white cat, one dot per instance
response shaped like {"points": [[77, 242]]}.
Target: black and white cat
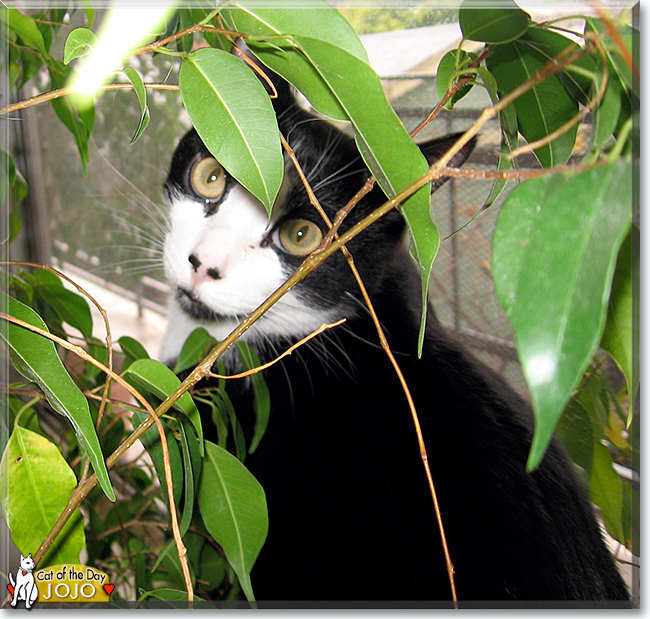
{"points": [[351, 516]]}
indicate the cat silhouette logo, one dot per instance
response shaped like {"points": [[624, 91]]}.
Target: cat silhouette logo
{"points": [[24, 587]]}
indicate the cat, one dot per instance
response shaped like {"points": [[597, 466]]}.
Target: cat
{"points": [[350, 512], [24, 587]]}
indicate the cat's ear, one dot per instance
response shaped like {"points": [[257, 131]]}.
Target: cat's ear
{"points": [[22, 558], [436, 148]]}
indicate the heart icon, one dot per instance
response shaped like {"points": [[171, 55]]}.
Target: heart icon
{"points": [[109, 588]]}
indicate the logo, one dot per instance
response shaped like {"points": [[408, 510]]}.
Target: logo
{"points": [[24, 587], [60, 583]]}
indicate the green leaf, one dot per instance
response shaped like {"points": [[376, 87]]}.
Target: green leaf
{"points": [[575, 431], [69, 306], [157, 379], [122, 30], [606, 115], [166, 594], [621, 335], [13, 187], [549, 45], [233, 115], [25, 27], [509, 138], [80, 42], [321, 22], [261, 396], [542, 109], [98, 350], [480, 22], [195, 349], [141, 92], [185, 44], [590, 398], [233, 506], [132, 350], [212, 567], [447, 73], [36, 484], [263, 18], [573, 226], [223, 411], [90, 11], [35, 358], [606, 491], [614, 55], [80, 124], [191, 469]]}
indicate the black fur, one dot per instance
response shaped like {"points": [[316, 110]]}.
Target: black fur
{"points": [[351, 515]]}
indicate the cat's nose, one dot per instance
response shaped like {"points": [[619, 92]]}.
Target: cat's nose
{"points": [[201, 272]]}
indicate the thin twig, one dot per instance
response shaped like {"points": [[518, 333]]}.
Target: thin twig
{"points": [[458, 84], [286, 353], [152, 47], [472, 173], [62, 92], [398, 371]]}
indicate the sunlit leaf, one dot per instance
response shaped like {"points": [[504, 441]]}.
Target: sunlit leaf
{"points": [[80, 42], [122, 30], [36, 484], [141, 93]]}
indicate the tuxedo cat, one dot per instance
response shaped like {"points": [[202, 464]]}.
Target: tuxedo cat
{"points": [[351, 516]]}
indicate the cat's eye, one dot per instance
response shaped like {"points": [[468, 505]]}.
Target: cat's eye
{"points": [[300, 236], [208, 178]]}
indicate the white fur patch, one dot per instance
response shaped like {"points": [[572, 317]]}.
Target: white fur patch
{"points": [[229, 242]]}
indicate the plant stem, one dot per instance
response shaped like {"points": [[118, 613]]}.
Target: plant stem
{"points": [[62, 92]]}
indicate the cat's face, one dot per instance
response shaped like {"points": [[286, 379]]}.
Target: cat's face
{"points": [[27, 563], [223, 257]]}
